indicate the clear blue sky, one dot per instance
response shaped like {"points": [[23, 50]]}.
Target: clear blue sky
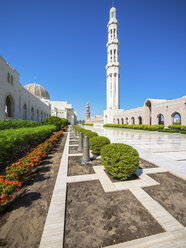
{"points": [[63, 44]]}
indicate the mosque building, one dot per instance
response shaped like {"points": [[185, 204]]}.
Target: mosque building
{"points": [[154, 111], [31, 102]]}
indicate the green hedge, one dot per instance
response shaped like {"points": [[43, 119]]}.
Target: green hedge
{"points": [[64, 122], [136, 126], [7, 124], [14, 142], [88, 124], [177, 127], [85, 132], [172, 131], [97, 142], [57, 121], [120, 160]]}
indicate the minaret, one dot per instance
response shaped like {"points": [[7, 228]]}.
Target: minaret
{"points": [[87, 114], [113, 66]]}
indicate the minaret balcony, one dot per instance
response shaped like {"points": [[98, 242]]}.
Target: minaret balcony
{"points": [[112, 64], [112, 21], [113, 42]]}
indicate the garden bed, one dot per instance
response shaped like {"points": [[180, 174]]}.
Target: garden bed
{"points": [[73, 149], [171, 194], [23, 221], [98, 219], [73, 143], [73, 137], [145, 164], [75, 167]]}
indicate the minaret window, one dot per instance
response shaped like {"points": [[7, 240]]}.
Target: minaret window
{"points": [[110, 55], [110, 85], [114, 33], [114, 55], [111, 34]]}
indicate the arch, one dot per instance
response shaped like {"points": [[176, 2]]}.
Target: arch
{"points": [[148, 107], [32, 113], [133, 120], [118, 120], [122, 121], [127, 120], [25, 112], [12, 80], [8, 77], [114, 120], [140, 120], [37, 115], [160, 119], [9, 106], [41, 116], [176, 118]]}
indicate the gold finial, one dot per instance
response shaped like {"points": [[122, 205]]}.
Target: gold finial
{"points": [[35, 85], [112, 3], [35, 80]]}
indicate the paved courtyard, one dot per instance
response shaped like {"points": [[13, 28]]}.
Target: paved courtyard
{"points": [[152, 146], [167, 150]]}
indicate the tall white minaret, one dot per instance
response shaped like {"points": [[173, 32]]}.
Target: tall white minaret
{"points": [[113, 66]]}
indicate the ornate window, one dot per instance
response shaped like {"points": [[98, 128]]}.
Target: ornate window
{"points": [[25, 112], [32, 113], [12, 80], [8, 77], [9, 106]]}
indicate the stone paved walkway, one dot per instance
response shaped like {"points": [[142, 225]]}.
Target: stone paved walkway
{"points": [[167, 150], [53, 233]]}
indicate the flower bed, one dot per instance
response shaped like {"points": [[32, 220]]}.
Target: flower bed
{"points": [[17, 172]]}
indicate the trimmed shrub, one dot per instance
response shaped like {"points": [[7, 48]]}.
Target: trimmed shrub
{"points": [[120, 160], [97, 142], [65, 122], [90, 134], [54, 120], [7, 124], [85, 132]]}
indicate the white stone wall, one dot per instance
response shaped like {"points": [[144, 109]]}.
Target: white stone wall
{"points": [[96, 119], [151, 111], [24, 105], [63, 110]]}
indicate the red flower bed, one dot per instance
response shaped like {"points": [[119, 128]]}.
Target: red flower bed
{"points": [[17, 172]]}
